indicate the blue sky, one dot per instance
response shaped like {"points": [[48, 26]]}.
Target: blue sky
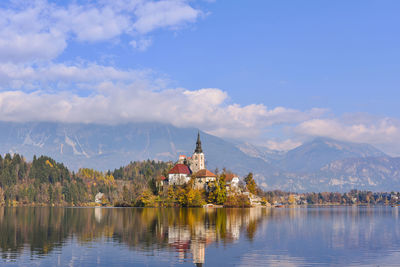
{"points": [[275, 73]]}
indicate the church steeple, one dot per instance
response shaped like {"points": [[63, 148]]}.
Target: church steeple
{"points": [[198, 144], [197, 162]]}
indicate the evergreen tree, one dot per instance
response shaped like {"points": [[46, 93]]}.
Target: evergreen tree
{"points": [[250, 183], [221, 190]]}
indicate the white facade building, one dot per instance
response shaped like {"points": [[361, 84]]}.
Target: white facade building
{"points": [[179, 174]]}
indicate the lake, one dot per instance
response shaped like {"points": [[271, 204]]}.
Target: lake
{"points": [[301, 236]]}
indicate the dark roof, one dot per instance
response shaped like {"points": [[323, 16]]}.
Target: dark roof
{"points": [[204, 173], [198, 144], [180, 169]]}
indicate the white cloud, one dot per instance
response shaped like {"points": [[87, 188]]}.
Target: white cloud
{"points": [[40, 31], [163, 14], [89, 23], [116, 96], [30, 47], [54, 92], [141, 44], [62, 76], [285, 145], [381, 132], [26, 36]]}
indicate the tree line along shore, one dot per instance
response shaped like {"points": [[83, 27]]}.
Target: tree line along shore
{"points": [[45, 182]]}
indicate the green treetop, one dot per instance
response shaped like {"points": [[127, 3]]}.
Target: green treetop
{"points": [[250, 183]]}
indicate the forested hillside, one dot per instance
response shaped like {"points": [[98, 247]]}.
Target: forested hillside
{"points": [[45, 181]]}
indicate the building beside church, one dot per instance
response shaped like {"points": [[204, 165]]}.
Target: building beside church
{"points": [[179, 174], [202, 178], [232, 182]]}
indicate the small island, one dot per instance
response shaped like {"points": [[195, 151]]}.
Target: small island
{"points": [[189, 184]]}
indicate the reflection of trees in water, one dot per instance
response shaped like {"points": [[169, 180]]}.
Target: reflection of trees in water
{"points": [[39, 227], [301, 232], [186, 230]]}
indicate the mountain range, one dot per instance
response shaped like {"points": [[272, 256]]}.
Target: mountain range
{"points": [[319, 165]]}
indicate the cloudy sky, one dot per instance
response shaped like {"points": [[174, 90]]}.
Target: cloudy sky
{"points": [[275, 73]]}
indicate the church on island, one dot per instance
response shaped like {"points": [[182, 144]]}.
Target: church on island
{"points": [[194, 167]]}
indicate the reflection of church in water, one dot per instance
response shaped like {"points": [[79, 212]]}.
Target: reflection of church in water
{"points": [[193, 239]]}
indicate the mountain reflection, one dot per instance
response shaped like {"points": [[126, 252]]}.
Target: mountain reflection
{"points": [[257, 236], [186, 231]]}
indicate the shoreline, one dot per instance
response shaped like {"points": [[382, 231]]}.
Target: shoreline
{"points": [[91, 205]]}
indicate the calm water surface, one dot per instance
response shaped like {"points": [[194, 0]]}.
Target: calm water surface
{"points": [[334, 236]]}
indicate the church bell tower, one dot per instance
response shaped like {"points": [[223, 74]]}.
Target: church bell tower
{"points": [[198, 161]]}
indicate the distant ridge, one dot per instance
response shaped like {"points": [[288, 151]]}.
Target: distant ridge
{"points": [[107, 147], [315, 154], [319, 165]]}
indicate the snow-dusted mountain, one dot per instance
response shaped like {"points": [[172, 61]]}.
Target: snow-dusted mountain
{"points": [[314, 155], [106, 147], [318, 165]]}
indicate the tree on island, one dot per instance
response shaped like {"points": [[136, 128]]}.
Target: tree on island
{"points": [[217, 191], [251, 183]]}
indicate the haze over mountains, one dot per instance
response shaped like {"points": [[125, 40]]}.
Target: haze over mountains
{"points": [[320, 165]]}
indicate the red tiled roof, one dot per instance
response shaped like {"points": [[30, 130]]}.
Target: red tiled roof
{"points": [[229, 177], [180, 169], [163, 178], [204, 173]]}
